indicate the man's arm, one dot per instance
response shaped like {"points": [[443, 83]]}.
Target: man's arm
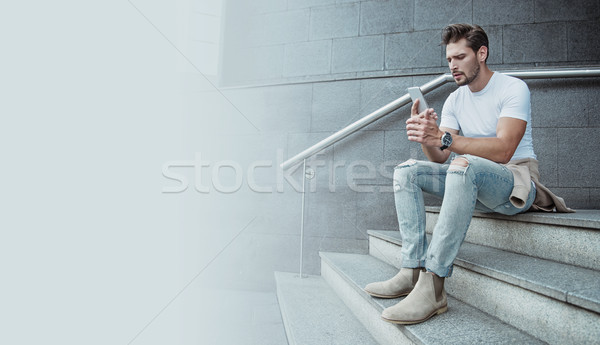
{"points": [[500, 149], [422, 128]]}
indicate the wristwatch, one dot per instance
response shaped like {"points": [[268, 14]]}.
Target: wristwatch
{"points": [[446, 141]]}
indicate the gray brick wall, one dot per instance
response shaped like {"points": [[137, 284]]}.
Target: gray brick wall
{"points": [[382, 17], [334, 21], [492, 12], [433, 15], [357, 54], [522, 34], [305, 58], [566, 10], [414, 49], [322, 64], [525, 43], [583, 41]]}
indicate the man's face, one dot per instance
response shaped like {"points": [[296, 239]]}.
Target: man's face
{"points": [[462, 61]]}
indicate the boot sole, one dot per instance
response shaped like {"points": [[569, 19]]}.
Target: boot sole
{"points": [[387, 296], [412, 322]]}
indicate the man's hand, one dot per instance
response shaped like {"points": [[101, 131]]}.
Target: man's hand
{"points": [[422, 128]]}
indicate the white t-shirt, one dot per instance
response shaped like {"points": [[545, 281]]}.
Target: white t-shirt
{"points": [[477, 113]]}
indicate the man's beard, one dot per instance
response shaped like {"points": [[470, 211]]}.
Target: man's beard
{"points": [[468, 79]]}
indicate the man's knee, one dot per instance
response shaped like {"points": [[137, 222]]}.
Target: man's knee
{"points": [[405, 167], [459, 164], [402, 173], [406, 164]]}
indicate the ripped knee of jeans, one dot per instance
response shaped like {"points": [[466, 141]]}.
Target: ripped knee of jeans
{"points": [[401, 176], [408, 163], [459, 165]]}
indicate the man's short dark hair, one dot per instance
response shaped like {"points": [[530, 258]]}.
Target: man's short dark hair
{"points": [[474, 34]]}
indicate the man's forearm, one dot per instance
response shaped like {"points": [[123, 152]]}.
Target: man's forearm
{"points": [[494, 149], [434, 154]]}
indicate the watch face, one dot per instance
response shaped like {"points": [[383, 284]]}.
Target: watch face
{"points": [[447, 139]]}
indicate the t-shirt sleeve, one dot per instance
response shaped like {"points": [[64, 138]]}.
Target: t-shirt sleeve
{"points": [[449, 119], [516, 102]]}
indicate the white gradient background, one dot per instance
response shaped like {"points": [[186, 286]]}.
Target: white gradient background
{"points": [[93, 101]]}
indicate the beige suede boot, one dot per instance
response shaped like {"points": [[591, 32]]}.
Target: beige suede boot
{"points": [[427, 299], [400, 285]]}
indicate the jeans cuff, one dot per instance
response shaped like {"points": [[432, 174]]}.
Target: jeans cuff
{"points": [[439, 270], [413, 263]]}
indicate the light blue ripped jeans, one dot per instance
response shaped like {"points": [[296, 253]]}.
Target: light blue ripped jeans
{"points": [[482, 185]]}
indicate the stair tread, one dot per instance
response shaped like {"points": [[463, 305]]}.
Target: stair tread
{"points": [[566, 283], [588, 219], [461, 324], [314, 314]]}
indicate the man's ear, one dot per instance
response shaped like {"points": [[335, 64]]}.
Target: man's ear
{"points": [[482, 53]]}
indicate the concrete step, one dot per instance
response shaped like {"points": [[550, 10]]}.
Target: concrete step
{"points": [[313, 314], [555, 302], [462, 324], [571, 238]]}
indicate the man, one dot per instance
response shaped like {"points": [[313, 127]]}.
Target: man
{"points": [[495, 171]]}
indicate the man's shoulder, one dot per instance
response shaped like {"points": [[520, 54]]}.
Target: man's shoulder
{"points": [[510, 81]]}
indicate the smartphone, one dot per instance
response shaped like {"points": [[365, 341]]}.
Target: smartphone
{"points": [[415, 93]]}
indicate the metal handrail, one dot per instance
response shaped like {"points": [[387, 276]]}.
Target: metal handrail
{"points": [[426, 88]]}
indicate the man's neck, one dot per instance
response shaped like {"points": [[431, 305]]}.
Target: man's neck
{"points": [[485, 74]]}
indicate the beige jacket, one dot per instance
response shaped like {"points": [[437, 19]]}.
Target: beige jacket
{"points": [[525, 171]]}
